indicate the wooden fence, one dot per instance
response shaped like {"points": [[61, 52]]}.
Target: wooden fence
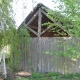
{"points": [[40, 57]]}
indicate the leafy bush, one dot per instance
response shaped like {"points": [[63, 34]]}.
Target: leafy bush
{"points": [[68, 76], [77, 75], [36, 75], [53, 74], [20, 78]]}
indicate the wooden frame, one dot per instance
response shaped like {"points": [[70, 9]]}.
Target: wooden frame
{"points": [[30, 22], [39, 14], [32, 30]]}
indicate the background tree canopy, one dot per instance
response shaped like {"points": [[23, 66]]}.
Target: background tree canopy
{"points": [[71, 10], [9, 35], [68, 16]]}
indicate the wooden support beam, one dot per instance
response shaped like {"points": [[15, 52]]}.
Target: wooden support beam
{"points": [[30, 22], [32, 18], [45, 30], [45, 13], [32, 30], [39, 22], [54, 22]]}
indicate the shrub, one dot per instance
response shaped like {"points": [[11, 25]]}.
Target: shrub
{"points": [[20, 78], [53, 74], [36, 75], [68, 76]]}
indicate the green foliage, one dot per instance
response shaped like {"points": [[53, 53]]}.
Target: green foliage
{"points": [[23, 35], [9, 35], [53, 74], [68, 76], [71, 11], [20, 78], [60, 22], [54, 78], [66, 47], [19, 38], [68, 19], [77, 75], [36, 75]]}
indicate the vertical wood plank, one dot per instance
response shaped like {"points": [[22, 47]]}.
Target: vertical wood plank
{"points": [[42, 62]]}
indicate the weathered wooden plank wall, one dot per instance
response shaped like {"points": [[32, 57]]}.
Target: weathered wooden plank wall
{"points": [[36, 57]]}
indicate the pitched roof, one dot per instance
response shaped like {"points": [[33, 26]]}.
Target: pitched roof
{"points": [[32, 21], [36, 8]]}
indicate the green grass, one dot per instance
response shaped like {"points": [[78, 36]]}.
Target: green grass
{"points": [[51, 76], [21, 78]]}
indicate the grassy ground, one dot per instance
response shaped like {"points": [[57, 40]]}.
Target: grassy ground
{"points": [[51, 76]]}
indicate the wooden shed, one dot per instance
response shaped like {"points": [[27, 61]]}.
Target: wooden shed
{"points": [[43, 40]]}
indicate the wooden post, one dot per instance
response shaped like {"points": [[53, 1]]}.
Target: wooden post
{"points": [[39, 22], [32, 30]]}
